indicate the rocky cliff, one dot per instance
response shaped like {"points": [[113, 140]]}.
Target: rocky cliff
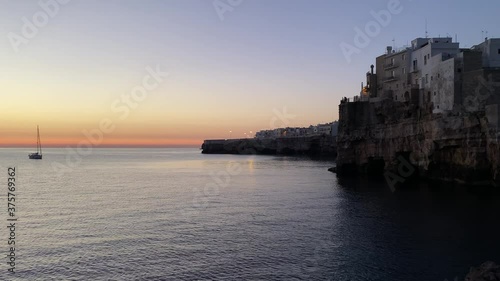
{"points": [[320, 146], [402, 140]]}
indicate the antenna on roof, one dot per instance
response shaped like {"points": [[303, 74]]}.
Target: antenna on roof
{"points": [[426, 33]]}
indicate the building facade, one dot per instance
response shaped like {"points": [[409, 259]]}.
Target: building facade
{"points": [[434, 73]]}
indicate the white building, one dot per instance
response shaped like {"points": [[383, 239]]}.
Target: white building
{"points": [[491, 52], [426, 55], [393, 70], [441, 88]]}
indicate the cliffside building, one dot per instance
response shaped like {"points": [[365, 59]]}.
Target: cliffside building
{"points": [[430, 110], [490, 50], [436, 73]]}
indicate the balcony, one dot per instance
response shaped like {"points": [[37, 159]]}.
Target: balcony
{"points": [[390, 66], [390, 79]]}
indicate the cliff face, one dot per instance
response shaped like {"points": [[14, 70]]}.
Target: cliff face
{"points": [[321, 146], [401, 140]]}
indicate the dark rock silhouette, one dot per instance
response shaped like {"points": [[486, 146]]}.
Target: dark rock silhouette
{"points": [[488, 271]]}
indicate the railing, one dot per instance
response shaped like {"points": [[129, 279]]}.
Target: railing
{"points": [[390, 66], [391, 79]]}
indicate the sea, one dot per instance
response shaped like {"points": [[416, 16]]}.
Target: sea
{"points": [[177, 214]]}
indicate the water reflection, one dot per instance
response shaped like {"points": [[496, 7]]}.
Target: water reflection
{"points": [[407, 232]]}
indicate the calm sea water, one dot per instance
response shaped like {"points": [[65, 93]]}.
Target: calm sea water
{"points": [[175, 214]]}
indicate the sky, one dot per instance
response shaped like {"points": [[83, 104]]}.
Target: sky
{"points": [[175, 72]]}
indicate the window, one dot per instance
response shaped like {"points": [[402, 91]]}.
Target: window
{"points": [[425, 60], [404, 70], [499, 51], [404, 55], [434, 93], [459, 70], [439, 75], [432, 78], [393, 74], [397, 86], [426, 78], [392, 60]]}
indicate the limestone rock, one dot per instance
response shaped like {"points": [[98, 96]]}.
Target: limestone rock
{"points": [[488, 271]]}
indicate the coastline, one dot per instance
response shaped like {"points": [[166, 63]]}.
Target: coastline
{"points": [[320, 146]]}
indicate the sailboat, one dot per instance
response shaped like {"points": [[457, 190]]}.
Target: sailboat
{"points": [[38, 153]]}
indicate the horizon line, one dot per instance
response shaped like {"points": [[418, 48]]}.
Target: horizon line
{"points": [[106, 146]]}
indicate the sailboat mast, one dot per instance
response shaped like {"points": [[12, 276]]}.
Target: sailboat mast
{"points": [[37, 138], [38, 142]]}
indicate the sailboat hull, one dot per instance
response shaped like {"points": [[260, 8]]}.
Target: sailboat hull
{"points": [[35, 156]]}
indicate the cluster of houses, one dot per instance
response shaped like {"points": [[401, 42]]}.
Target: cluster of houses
{"points": [[437, 73], [329, 129]]}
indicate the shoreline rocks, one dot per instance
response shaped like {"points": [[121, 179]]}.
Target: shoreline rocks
{"points": [[488, 271]]}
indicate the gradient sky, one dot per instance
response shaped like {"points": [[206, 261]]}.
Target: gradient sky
{"points": [[265, 56]]}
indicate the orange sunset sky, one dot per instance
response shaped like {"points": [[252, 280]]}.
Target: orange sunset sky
{"points": [[260, 65]]}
